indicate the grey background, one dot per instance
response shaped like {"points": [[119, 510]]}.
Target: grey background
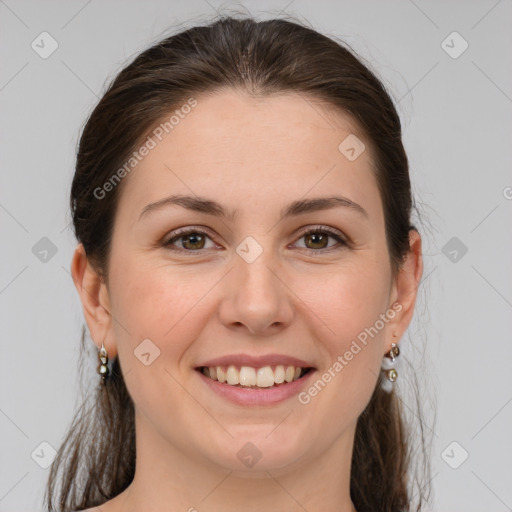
{"points": [[456, 114]]}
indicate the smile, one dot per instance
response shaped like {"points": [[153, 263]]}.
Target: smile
{"points": [[248, 386], [247, 376]]}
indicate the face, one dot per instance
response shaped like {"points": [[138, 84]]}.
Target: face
{"points": [[198, 286]]}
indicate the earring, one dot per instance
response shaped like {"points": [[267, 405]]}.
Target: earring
{"points": [[103, 367], [388, 367]]}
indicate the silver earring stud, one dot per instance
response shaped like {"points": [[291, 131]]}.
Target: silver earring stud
{"points": [[388, 364], [103, 366]]}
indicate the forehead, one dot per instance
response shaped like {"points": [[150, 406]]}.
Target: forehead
{"points": [[235, 147]]}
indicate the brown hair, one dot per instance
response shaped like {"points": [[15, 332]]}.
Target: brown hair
{"points": [[97, 458]]}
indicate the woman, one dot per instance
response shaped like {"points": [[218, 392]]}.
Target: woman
{"points": [[247, 269]]}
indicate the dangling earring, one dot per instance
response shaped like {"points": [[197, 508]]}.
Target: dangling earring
{"points": [[103, 367], [388, 367]]}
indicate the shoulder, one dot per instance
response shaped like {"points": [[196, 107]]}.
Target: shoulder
{"points": [[112, 505], [94, 509]]}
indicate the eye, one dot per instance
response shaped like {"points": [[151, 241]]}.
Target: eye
{"points": [[192, 240], [318, 238]]}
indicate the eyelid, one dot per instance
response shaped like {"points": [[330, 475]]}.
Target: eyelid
{"points": [[323, 229], [179, 232], [187, 229]]}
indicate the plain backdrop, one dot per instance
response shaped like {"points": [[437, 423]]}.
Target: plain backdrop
{"points": [[446, 66]]}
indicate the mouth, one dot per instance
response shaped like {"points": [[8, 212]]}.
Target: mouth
{"points": [[247, 377]]}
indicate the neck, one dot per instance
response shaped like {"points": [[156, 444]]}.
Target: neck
{"points": [[168, 478]]}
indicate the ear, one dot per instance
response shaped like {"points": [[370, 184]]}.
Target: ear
{"points": [[95, 301], [405, 288]]}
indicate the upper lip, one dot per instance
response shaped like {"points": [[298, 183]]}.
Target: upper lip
{"points": [[257, 361]]}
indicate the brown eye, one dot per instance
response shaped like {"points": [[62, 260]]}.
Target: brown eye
{"points": [[188, 241], [318, 239], [193, 241]]}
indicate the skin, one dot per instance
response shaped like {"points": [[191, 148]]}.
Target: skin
{"points": [[255, 156]]}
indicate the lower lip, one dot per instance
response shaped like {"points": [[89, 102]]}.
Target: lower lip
{"points": [[257, 396]]}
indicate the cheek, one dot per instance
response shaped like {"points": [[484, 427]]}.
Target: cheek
{"points": [[347, 299], [158, 303], [350, 307], [165, 308]]}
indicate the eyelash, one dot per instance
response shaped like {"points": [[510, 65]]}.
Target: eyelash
{"points": [[176, 235]]}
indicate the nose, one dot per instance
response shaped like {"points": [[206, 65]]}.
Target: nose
{"points": [[256, 296]]}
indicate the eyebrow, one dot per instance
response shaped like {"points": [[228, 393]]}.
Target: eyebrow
{"points": [[211, 207]]}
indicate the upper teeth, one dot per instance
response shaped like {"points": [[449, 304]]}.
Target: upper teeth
{"points": [[247, 376]]}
